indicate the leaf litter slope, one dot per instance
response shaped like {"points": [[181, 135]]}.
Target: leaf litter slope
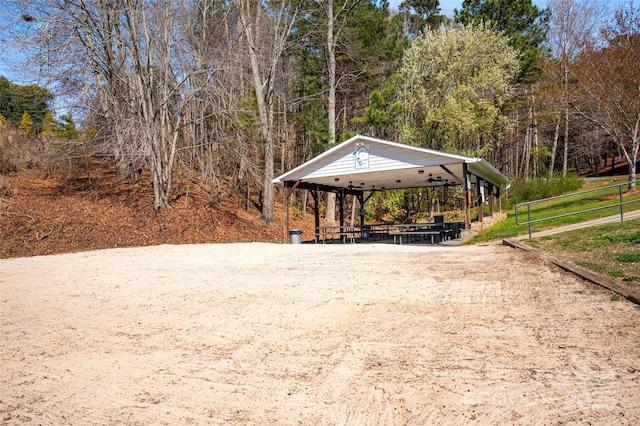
{"points": [[62, 211]]}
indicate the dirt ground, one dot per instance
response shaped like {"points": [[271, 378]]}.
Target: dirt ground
{"points": [[353, 334]]}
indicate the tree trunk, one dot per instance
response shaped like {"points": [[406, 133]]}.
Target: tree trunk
{"points": [[565, 158], [536, 146], [263, 82], [554, 149], [330, 216], [632, 157]]}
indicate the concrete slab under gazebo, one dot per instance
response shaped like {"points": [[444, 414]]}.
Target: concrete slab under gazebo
{"points": [[363, 164]]}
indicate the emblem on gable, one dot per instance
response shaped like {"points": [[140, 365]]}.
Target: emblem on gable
{"points": [[362, 157]]}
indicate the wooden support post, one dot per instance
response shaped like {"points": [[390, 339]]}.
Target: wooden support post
{"points": [[499, 199], [316, 213], [361, 203], [467, 196], [286, 194], [341, 201], [479, 192], [490, 190]]}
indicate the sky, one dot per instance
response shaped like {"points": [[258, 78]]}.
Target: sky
{"points": [[447, 6]]}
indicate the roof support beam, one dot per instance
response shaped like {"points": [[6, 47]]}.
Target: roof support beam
{"points": [[450, 173]]}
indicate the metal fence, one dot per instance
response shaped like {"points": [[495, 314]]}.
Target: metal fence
{"points": [[620, 203]]}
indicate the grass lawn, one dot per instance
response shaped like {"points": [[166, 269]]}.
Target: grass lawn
{"points": [[603, 201], [612, 250]]}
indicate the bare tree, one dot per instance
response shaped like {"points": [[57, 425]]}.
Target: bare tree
{"points": [[120, 59], [573, 22], [609, 82], [211, 143], [266, 28], [336, 21]]}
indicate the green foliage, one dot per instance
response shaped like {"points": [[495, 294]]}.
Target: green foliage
{"points": [[247, 120], [375, 38], [381, 115], [520, 20], [535, 189], [26, 124], [369, 44], [562, 207], [384, 205], [66, 127], [409, 205], [310, 117], [420, 15], [15, 100], [634, 238], [49, 125], [454, 82]]}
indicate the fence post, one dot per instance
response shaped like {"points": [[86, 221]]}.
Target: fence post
{"points": [[529, 218], [621, 205]]}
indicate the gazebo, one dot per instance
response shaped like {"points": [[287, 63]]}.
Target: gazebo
{"points": [[363, 164]]}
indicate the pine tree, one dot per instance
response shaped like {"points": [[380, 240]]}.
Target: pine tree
{"points": [[26, 124], [49, 125], [520, 20], [67, 127]]}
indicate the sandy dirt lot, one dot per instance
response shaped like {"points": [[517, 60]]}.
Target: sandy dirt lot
{"points": [[354, 334]]}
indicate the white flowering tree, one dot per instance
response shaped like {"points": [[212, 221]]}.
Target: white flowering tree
{"points": [[455, 81]]}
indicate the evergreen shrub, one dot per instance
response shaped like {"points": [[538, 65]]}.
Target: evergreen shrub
{"points": [[522, 190]]}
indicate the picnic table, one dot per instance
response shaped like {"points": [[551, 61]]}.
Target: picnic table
{"points": [[436, 232], [345, 233], [377, 230]]}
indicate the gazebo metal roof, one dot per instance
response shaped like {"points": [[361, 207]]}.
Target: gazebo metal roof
{"points": [[363, 163]]}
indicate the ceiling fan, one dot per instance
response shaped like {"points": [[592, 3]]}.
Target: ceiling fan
{"points": [[431, 179]]}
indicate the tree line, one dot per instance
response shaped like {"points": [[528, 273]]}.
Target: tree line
{"points": [[247, 89], [28, 108]]}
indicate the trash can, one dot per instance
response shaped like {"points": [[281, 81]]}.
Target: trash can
{"points": [[296, 236], [366, 232]]}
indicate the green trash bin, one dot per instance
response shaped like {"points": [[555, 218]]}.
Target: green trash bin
{"points": [[296, 236]]}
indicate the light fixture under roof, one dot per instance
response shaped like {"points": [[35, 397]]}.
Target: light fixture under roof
{"points": [[421, 172], [398, 181], [337, 179]]}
